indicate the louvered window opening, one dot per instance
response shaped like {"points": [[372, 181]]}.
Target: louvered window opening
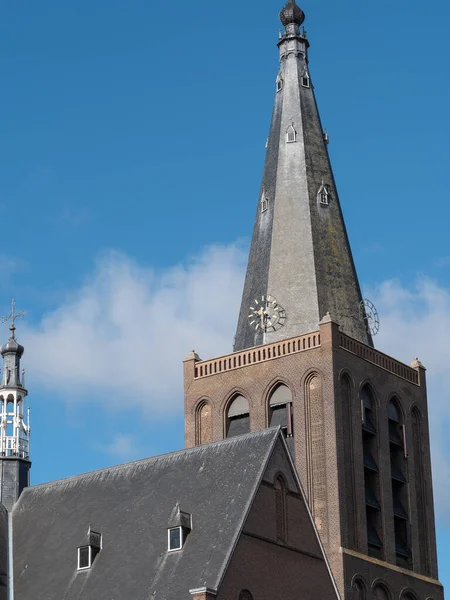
{"points": [[398, 455], [238, 417], [371, 476]]}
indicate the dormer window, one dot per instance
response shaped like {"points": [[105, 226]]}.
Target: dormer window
{"points": [[323, 195], [291, 134], [279, 84], [175, 539], [264, 203], [305, 80], [87, 554], [180, 525]]}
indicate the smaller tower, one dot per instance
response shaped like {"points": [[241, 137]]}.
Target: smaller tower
{"points": [[14, 423]]}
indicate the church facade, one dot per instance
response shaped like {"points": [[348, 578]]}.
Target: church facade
{"points": [[307, 469]]}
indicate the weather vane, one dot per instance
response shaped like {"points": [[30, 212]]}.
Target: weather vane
{"points": [[13, 316]]}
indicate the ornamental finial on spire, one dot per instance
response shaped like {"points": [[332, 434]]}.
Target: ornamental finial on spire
{"points": [[12, 317], [292, 13]]}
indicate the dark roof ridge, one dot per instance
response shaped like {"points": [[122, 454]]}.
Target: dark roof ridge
{"points": [[143, 461]]}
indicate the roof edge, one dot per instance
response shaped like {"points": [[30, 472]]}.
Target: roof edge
{"points": [[142, 461]]}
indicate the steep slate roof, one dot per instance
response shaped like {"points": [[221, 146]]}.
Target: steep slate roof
{"points": [[130, 505]]}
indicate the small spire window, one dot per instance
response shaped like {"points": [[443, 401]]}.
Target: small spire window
{"points": [[264, 203], [279, 84], [305, 80], [291, 134], [323, 195]]}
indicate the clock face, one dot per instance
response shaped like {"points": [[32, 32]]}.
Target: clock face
{"points": [[266, 314], [370, 316]]}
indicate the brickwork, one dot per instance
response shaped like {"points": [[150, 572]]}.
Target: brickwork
{"points": [[327, 442], [268, 567]]}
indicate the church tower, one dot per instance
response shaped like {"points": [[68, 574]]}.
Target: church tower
{"points": [[14, 423], [355, 419]]}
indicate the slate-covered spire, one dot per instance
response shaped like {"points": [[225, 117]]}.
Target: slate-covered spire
{"points": [[300, 254]]}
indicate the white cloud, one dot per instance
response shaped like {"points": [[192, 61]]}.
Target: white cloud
{"points": [[123, 447], [122, 337], [415, 321]]}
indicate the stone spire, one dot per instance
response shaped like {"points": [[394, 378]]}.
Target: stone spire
{"points": [[300, 253], [14, 421]]}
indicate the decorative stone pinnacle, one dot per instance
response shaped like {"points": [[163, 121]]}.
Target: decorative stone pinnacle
{"points": [[292, 13]]}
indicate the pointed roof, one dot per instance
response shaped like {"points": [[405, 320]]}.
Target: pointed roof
{"points": [[300, 254]]}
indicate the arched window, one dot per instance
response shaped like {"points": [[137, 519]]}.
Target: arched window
{"points": [[349, 462], [280, 412], [359, 589], [204, 424], [371, 476], [291, 134], [306, 80], [316, 452], [245, 595], [380, 592], [238, 417], [279, 84], [398, 454], [10, 416], [280, 509]]}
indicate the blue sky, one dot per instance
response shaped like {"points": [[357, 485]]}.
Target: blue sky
{"points": [[132, 145]]}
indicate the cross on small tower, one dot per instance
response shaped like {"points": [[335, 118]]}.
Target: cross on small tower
{"points": [[13, 316]]}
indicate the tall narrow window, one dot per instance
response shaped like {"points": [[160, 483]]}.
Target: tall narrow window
{"points": [[279, 84], [305, 80], [291, 134], [348, 463], [371, 477], [238, 417], [398, 453], [316, 453], [280, 413], [204, 424], [423, 558]]}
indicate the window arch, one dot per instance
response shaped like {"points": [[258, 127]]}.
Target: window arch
{"points": [[348, 464], [291, 134], [371, 475], [316, 452], [399, 477], [280, 409], [238, 416], [381, 592], [204, 423], [359, 589], [280, 509]]}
